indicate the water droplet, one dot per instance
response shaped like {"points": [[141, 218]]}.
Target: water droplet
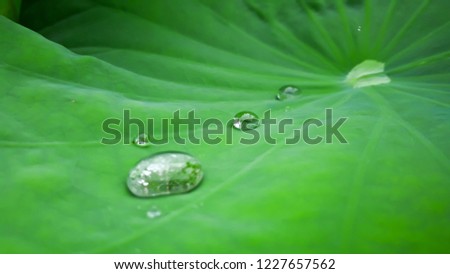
{"points": [[367, 73], [153, 213], [165, 174], [359, 28], [288, 91], [142, 140], [245, 120]]}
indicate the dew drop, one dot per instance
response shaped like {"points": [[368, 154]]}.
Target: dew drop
{"points": [[165, 174], [142, 140], [288, 91], [367, 73], [153, 213], [246, 120], [359, 28]]}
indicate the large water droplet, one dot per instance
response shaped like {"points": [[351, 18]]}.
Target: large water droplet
{"points": [[246, 120], [142, 140], [367, 73], [165, 174], [288, 91]]}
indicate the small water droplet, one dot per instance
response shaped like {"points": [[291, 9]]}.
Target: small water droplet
{"points": [[153, 213], [165, 174], [359, 28], [245, 120], [142, 140], [288, 91]]}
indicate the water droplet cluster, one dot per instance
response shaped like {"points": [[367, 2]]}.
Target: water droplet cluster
{"points": [[176, 172]]}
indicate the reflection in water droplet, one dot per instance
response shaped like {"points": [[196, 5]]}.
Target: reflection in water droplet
{"points": [[142, 140], [359, 28], [165, 174], [153, 213], [288, 91], [245, 120]]}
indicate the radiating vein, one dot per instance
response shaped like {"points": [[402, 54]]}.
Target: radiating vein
{"points": [[358, 182], [434, 151], [367, 33], [277, 73], [418, 42], [438, 57], [326, 40], [268, 46], [412, 19], [349, 37], [287, 34], [384, 27], [423, 98]]}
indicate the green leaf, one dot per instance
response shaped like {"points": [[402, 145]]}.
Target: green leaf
{"points": [[74, 64], [10, 8]]}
